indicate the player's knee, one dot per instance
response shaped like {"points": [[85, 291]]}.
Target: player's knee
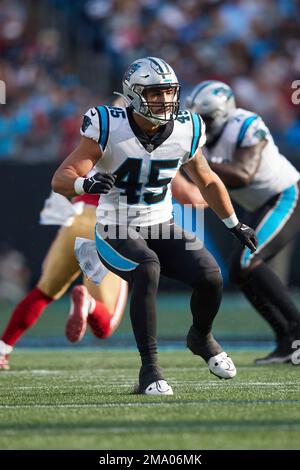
{"points": [[148, 273], [212, 282], [238, 274], [49, 289]]}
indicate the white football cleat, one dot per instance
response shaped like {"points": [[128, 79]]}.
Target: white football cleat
{"points": [[222, 366], [160, 387]]}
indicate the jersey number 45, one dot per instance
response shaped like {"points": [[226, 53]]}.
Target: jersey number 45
{"points": [[128, 179]]}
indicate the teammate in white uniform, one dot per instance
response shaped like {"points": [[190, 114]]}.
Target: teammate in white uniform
{"points": [[241, 150], [137, 151]]}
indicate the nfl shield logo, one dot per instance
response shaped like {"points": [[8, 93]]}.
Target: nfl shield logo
{"points": [[150, 147]]}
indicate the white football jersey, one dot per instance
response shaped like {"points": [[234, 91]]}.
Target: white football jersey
{"points": [[274, 174], [141, 195], [58, 210]]}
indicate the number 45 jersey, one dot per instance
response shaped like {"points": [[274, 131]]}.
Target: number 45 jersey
{"points": [[144, 165]]}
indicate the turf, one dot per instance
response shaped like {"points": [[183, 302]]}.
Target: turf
{"points": [[79, 399]]}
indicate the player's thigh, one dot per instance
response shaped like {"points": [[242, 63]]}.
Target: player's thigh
{"points": [[108, 291], [183, 257], [84, 224], [60, 267], [276, 224], [122, 255]]}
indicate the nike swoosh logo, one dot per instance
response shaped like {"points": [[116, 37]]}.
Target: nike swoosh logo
{"points": [[93, 114]]}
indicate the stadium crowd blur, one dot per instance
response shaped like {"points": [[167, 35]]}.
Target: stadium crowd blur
{"points": [[45, 46]]}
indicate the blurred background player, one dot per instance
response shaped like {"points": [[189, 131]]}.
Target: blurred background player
{"points": [[100, 306], [241, 150]]}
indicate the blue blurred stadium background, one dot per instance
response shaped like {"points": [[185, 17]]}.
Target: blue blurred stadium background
{"points": [[59, 57]]}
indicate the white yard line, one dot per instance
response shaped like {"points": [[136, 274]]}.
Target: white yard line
{"points": [[170, 403]]}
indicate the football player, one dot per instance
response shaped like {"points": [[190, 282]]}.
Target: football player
{"points": [[241, 150], [101, 306], [137, 151]]}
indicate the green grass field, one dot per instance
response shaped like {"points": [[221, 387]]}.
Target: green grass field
{"points": [[83, 400], [79, 398]]}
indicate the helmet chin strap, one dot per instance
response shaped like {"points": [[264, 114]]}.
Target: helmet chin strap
{"points": [[159, 122], [123, 97], [153, 120]]}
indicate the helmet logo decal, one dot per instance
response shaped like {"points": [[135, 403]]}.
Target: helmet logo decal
{"points": [[133, 68], [222, 91]]}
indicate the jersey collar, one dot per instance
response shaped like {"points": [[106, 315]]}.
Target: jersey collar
{"points": [[149, 142]]}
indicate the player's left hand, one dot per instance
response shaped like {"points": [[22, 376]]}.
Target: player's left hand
{"points": [[100, 183], [246, 235]]}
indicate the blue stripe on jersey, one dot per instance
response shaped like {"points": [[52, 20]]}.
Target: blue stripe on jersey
{"points": [[273, 222], [244, 128], [104, 126], [196, 132], [111, 256]]}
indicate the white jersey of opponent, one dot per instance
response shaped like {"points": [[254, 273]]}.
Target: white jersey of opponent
{"points": [[274, 174], [141, 195]]}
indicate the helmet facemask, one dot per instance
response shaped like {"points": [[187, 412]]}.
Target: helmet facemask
{"points": [[156, 111], [214, 124], [141, 80]]}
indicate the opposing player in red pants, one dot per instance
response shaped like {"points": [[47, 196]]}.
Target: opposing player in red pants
{"points": [[99, 306]]}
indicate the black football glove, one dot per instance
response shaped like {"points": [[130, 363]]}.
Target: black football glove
{"points": [[246, 235], [100, 183]]}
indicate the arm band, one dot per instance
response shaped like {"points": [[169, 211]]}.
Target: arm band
{"points": [[231, 221], [78, 185]]}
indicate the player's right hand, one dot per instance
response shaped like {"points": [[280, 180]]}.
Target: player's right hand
{"points": [[100, 183], [246, 235]]}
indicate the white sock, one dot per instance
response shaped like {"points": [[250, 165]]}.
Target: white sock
{"points": [[5, 348]]}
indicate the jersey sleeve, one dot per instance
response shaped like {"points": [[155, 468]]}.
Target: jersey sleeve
{"points": [[198, 136], [252, 131], [90, 126], [95, 125]]}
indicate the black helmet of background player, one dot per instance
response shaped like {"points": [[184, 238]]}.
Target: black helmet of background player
{"points": [[215, 102], [149, 73]]}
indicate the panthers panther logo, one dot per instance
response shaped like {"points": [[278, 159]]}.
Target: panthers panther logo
{"points": [[222, 91], [86, 123], [133, 68]]}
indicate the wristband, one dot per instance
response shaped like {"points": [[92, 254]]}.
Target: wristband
{"points": [[78, 185], [231, 221]]}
